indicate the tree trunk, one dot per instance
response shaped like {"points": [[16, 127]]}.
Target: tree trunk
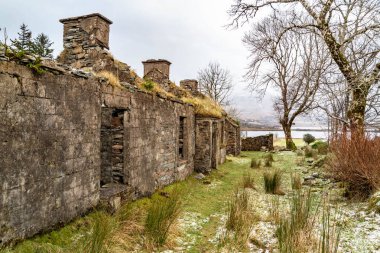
{"points": [[356, 110], [288, 136]]}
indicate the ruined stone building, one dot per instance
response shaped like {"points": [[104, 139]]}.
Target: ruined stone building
{"points": [[72, 137]]}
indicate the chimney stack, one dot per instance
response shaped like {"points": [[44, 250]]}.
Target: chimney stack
{"points": [[190, 85], [163, 67], [88, 31]]}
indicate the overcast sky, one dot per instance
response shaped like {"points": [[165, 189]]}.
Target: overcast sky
{"points": [[190, 34]]}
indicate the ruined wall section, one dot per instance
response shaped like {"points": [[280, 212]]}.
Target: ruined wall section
{"points": [[264, 142], [232, 137], [151, 139], [49, 149], [210, 151]]}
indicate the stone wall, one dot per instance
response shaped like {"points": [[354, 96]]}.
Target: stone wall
{"points": [[209, 144], [257, 143], [49, 150], [232, 130], [152, 157]]}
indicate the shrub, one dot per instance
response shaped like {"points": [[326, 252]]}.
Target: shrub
{"points": [[248, 181], [355, 160], [255, 163], [308, 138], [160, 216], [272, 182], [321, 146], [148, 85]]}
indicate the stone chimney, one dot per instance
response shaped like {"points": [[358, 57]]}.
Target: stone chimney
{"points": [[160, 65], [82, 36], [89, 31], [190, 85]]}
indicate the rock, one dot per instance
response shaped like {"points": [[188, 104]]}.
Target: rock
{"points": [[308, 178], [199, 176], [80, 73], [315, 175]]}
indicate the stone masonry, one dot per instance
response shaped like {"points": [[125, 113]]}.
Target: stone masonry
{"points": [[69, 139], [257, 143], [49, 149]]}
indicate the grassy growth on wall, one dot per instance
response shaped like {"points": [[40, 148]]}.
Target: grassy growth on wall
{"points": [[112, 79], [205, 106]]}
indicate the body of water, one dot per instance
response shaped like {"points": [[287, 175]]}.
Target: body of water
{"points": [[297, 134]]}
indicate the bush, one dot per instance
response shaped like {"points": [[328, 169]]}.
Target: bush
{"points": [[272, 182], [308, 138], [148, 85], [356, 161], [321, 146], [255, 163], [161, 215]]}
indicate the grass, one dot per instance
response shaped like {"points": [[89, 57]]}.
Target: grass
{"points": [[296, 182], [248, 181], [272, 182], [205, 106], [160, 217], [112, 79], [202, 205], [255, 163], [240, 219]]}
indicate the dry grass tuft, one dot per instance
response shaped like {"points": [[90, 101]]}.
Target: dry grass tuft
{"points": [[112, 79], [248, 181], [205, 106], [296, 182]]}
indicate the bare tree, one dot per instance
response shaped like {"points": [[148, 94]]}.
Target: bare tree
{"points": [[216, 82], [293, 66], [350, 30]]}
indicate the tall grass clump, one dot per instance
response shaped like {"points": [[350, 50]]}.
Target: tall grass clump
{"points": [[255, 163], [330, 233], [272, 182], [269, 157], [248, 181], [239, 222], [160, 216], [102, 228], [298, 230], [294, 230], [296, 182], [355, 160]]}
